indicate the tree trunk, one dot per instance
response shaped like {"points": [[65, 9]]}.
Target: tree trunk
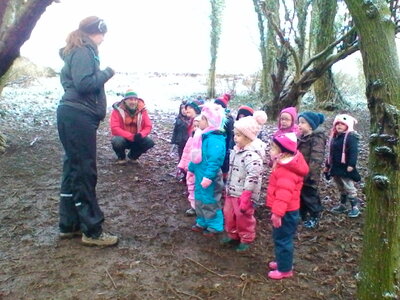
{"points": [[268, 49], [327, 94], [17, 20], [380, 260], [216, 11], [301, 7]]}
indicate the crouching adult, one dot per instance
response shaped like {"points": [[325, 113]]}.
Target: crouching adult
{"points": [[130, 126]]}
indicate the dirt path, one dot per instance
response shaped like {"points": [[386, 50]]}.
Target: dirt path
{"points": [[158, 257]]}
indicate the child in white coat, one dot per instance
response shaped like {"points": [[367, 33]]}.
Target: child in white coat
{"points": [[244, 182]]}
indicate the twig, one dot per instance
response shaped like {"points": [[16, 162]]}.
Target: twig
{"points": [[112, 280], [173, 290], [211, 271], [187, 294], [244, 288]]}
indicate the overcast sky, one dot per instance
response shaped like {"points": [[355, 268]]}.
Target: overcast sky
{"points": [[157, 35]]}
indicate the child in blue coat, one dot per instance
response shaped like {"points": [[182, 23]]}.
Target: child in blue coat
{"points": [[208, 154]]}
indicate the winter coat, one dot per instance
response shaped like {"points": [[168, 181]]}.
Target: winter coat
{"points": [[213, 154], [285, 183], [336, 167], [180, 134], [83, 81], [185, 159], [124, 125], [208, 206], [313, 149], [245, 170]]}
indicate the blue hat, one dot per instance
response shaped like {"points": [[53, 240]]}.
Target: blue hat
{"points": [[312, 118]]}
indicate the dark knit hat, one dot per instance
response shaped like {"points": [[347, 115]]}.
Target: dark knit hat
{"points": [[196, 104], [130, 94], [93, 25], [312, 118], [223, 100], [245, 110]]}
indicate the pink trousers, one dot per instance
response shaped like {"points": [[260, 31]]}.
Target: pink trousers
{"points": [[238, 225], [190, 187]]}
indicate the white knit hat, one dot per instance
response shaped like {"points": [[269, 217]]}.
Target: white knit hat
{"points": [[250, 126], [348, 120]]}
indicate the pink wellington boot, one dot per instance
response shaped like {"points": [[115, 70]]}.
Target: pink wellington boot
{"points": [[273, 265], [277, 275]]}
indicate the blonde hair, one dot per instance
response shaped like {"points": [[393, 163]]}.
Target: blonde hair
{"points": [[76, 38]]}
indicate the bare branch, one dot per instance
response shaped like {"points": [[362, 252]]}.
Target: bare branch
{"points": [[327, 49], [284, 41]]}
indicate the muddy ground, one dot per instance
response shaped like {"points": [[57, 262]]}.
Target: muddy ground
{"points": [[158, 257]]}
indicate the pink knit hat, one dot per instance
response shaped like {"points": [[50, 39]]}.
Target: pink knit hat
{"points": [[250, 126], [287, 142]]}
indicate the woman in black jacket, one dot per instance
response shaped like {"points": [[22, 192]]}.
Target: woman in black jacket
{"points": [[79, 113]]}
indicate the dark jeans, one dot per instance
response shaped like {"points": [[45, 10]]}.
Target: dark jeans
{"points": [[310, 203], [136, 148], [78, 203], [283, 239]]}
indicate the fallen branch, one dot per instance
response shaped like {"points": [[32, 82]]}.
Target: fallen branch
{"points": [[211, 271], [112, 280]]}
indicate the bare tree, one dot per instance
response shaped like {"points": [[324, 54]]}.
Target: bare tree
{"points": [[380, 261], [17, 20], [268, 48], [217, 7], [327, 95], [289, 88]]}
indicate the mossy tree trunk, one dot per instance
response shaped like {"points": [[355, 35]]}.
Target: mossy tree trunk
{"points": [[327, 94], [217, 7], [380, 260], [268, 48]]}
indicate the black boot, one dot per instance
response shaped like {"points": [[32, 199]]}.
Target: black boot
{"points": [[341, 208], [354, 212]]}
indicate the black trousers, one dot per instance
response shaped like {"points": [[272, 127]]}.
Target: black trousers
{"points": [[310, 203], [78, 203], [136, 149]]}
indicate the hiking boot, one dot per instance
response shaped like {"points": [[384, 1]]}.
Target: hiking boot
{"points": [[354, 212], [242, 247], [312, 223], [69, 235], [105, 239], [277, 275], [273, 265], [121, 162], [227, 241], [190, 212], [339, 209], [197, 228]]}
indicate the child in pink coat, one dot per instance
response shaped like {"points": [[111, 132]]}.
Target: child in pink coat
{"points": [[184, 163]]}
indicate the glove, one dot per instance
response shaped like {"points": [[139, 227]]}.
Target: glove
{"points": [[138, 137], [205, 183], [276, 220], [245, 202]]}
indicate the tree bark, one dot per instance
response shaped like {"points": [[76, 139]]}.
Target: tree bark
{"points": [[14, 35], [327, 94], [216, 11], [268, 49], [380, 260]]}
